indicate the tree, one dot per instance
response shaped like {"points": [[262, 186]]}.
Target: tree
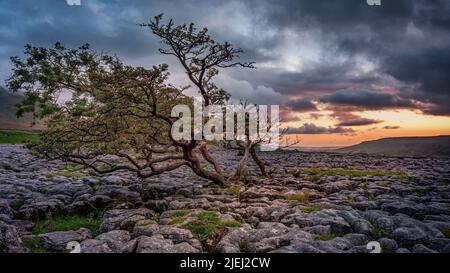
{"points": [[118, 117]]}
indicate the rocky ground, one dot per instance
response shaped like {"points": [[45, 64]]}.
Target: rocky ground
{"points": [[306, 206]]}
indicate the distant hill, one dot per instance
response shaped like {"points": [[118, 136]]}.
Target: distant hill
{"points": [[8, 119], [404, 146]]}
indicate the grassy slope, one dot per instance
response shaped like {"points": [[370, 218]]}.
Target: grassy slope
{"points": [[16, 136]]}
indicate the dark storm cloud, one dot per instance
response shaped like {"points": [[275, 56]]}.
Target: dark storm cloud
{"points": [[366, 99], [408, 39], [404, 40], [301, 105], [358, 122], [312, 129], [430, 70]]}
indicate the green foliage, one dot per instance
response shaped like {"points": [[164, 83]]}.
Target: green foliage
{"points": [[68, 223], [17, 137], [111, 108]]}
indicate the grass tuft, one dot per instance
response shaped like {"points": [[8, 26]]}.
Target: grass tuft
{"points": [[301, 198], [234, 190], [379, 233], [68, 223], [208, 224], [180, 213]]}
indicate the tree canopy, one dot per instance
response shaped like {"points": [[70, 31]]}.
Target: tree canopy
{"points": [[111, 116]]}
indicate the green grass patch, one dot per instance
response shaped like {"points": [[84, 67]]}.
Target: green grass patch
{"points": [[208, 224], [68, 223], [234, 190], [316, 172], [17, 137], [33, 243], [177, 220]]}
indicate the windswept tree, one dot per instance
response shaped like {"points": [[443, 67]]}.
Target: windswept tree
{"points": [[110, 116]]}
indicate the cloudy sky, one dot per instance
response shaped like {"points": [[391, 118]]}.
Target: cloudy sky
{"points": [[342, 71]]}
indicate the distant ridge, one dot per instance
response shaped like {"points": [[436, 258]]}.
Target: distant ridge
{"points": [[8, 119], [404, 146]]}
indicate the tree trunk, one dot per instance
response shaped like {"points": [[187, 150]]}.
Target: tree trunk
{"points": [[241, 169], [258, 161], [195, 165], [208, 157]]}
